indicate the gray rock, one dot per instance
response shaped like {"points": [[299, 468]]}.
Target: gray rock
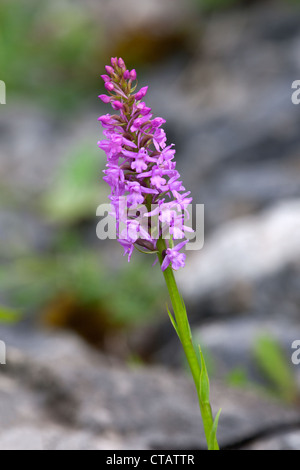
{"points": [[22, 232], [151, 12], [247, 280], [229, 111], [231, 344], [34, 143], [281, 441], [244, 251], [228, 108], [56, 393], [243, 284]]}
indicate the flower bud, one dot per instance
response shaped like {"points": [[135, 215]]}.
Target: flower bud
{"points": [[144, 110], [104, 98], [121, 63], [109, 69], [140, 94], [105, 119], [117, 105], [109, 86], [106, 78], [132, 75], [126, 75], [157, 122]]}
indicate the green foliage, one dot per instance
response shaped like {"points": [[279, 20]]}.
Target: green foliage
{"points": [[204, 381], [198, 368], [204, 396], [207, 354], [217, 4], [36, 280], [76, 266], [173, 322], [8, 315], [212, 5], [237, 378], [49, 50], [213, 443], [76, 191], [137, 295], [276, 367]]}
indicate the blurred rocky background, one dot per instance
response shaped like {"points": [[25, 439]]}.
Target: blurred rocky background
{"points": [[92, 360]]}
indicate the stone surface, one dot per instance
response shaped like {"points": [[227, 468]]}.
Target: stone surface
{"points": [[243, 285], [56, 393], [244, 251], [34, 142], [289, 440], [228, 109], [22, 232]]}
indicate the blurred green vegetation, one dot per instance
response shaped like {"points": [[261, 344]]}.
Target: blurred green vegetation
{"points": [[50, 51], [53, 52], [71, 200], [128, 293], [276, 367], [76, 191], [237, 377], [73, 282], [215, 5], [7, 315], [76, 289]]}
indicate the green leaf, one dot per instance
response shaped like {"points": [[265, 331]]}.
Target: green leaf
{"points": [[213, 443], [185, 317], [173, 322], [204, 381]]}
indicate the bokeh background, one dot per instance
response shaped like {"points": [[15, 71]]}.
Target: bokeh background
{"points": [[220, 72]]}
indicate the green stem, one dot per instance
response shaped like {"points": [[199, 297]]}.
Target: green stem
{"points": [[184, 333]]}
